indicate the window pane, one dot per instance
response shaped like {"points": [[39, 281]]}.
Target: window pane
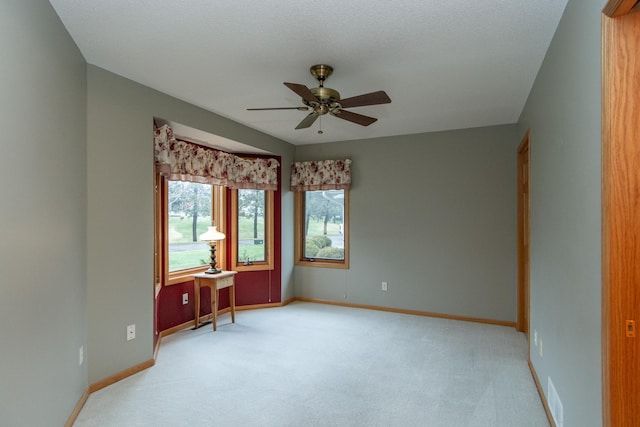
{"points": [[324, 229], [251, 226], [189, 207]]}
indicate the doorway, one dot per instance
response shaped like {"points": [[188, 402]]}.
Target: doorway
{"points": [[524, 157]]}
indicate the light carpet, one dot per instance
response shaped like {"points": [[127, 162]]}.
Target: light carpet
{"points": [[320, 365]]}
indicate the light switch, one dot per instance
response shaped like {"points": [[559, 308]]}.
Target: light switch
{"points": [[631, 329]]}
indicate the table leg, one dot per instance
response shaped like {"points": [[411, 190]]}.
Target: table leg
{"points": [[196, 294], [214, 306], [232, 302]]}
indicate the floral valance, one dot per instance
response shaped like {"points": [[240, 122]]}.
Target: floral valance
{"points": [[321, 175], [185, 161]]}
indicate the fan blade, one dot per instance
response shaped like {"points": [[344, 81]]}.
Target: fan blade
{"points": [[373, 98], [354, 117], [303, 91], [279, 108], [308, 121]]}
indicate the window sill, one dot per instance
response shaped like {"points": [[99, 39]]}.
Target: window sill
{"points": [[184, 275], [262, 266], [343, 265]]}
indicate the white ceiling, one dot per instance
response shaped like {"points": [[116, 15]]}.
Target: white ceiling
{"points": [[444, 64]]}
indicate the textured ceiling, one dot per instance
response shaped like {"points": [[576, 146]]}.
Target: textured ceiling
{"points": [[444, 64]]}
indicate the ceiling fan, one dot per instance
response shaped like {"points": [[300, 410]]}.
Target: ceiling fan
{"points": [[323, 100]]}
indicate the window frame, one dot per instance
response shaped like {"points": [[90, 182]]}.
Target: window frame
{"points": [[218, 209], [268, 263], [299, 244]]}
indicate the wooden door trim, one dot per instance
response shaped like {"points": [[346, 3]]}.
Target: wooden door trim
{"points": [[522, 325], [615, 8], [620, 187]]}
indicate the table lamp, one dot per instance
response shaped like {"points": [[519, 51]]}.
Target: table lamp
{"points": [[211, 236]]}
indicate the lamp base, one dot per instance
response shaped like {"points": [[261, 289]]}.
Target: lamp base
{"points": [[213, 268]]}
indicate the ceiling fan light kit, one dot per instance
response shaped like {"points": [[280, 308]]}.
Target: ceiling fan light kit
{"points": [[324, 100]]}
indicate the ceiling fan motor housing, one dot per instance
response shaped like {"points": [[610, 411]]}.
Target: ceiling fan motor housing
{"points": [[326, 95]]}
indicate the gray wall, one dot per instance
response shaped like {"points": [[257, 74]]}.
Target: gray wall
{"points": [[434, 215], [77, 230], [563, 112], [43, 210], [120, 211]]}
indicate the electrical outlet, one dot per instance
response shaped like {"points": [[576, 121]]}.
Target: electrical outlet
{"points": [[131, 332], [81, 355], [535, 337], [384, 286], [540, 348], [185, 299]]}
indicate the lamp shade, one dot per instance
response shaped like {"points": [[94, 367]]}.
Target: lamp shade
{"points": [[212, 235]]}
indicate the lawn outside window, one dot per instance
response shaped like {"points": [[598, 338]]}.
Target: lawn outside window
{"points": [[189, 209]]}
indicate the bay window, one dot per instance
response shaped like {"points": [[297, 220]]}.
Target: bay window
{"points": [[192, 184]]}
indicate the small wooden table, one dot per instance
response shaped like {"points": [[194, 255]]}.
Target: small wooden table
{"points": [[215, 282]]}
